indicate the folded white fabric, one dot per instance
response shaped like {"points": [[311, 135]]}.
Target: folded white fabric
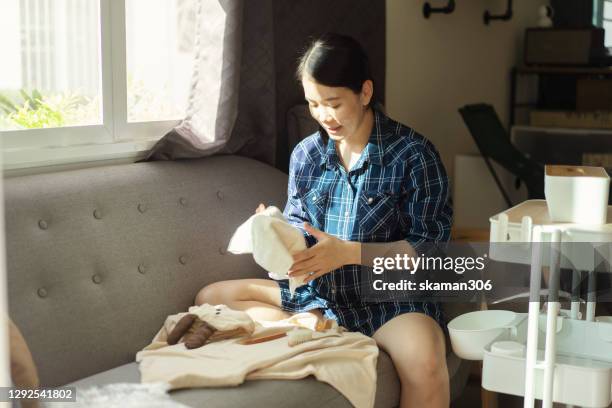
{"points": [[272, 241]]}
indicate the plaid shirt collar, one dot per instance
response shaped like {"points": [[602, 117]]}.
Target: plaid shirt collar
{"points": [[372, 153]]}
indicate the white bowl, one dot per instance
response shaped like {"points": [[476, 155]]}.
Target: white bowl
{"points": [[577, 194], [471, 332]]}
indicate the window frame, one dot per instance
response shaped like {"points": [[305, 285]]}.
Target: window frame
{"points": [[598, 14], [114, 138], [601, 15]]}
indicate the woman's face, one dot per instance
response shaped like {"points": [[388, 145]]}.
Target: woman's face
{"points": [[339, 110]]}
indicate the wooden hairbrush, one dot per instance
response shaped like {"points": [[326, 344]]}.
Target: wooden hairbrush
{"points": [[262, 338], [321, 326]]}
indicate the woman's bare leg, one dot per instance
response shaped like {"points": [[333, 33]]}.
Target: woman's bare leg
{"points": [[415, 343], [260, 298]]}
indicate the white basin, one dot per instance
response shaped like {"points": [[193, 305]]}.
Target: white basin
{"points": [[471, 332]]}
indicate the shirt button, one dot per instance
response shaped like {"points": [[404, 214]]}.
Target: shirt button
{"points": [[314, 198], [346, 213], [370, 200]]}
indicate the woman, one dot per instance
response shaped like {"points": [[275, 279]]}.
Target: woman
{"points": [[361, 178]]}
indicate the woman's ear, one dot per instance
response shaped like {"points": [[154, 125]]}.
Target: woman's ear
{"points": [[367, 90]]}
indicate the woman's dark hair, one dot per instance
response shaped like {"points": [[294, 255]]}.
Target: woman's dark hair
{"points": [[336, 60]]}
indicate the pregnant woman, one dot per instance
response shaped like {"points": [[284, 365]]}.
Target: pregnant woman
{"points": [[362, 179]]}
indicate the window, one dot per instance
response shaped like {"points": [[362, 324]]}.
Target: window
{"points": [[159, 34], [51, 70], [91, 79], [607, 21], [602, 17]]}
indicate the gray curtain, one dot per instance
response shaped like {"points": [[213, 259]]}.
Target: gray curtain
{"points": [[262, 87], [213, 100], [255, 131]]}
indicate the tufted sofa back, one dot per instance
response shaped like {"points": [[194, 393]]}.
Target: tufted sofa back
{"points": [[97, 258]]}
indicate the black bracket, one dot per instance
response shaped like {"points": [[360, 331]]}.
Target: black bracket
{"points": [[504, 17], [428, 10]]}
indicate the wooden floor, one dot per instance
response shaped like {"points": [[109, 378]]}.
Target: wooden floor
{"points": [[473, 397]]}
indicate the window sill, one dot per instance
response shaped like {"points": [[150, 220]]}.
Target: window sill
{"points": [[24, 161]]}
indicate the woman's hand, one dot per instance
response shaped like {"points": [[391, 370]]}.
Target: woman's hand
{"points": [[328, 254], [260, 208]]}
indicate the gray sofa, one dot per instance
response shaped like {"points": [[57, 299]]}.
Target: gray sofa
{"points": [[98, 257]]}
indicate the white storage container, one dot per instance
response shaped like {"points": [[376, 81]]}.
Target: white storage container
{"points": [[570, 361], [511, 234], [583, 367], [577, 194]]}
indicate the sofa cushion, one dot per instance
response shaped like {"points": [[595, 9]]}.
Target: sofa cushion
{"points": [[263, 393]]}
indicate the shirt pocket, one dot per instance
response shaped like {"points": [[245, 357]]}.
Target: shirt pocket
{"points": [[315, 204], [378, 214]]}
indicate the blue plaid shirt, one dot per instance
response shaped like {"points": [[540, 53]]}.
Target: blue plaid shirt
{"points": [[398, 189]]}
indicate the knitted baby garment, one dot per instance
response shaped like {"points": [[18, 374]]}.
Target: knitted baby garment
{"points": [[272, 241]]}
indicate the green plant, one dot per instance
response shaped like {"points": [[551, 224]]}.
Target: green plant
{"points": [[38, 111], [41, 116], [7, 105]]}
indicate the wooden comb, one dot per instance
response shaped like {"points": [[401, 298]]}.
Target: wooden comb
{"points": [[262, 338]]}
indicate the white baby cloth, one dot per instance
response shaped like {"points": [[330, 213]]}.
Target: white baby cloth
{"points": [[272, 241], [222, 318]]}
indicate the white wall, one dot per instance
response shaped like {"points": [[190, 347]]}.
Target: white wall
{"points": [[437, 65]]}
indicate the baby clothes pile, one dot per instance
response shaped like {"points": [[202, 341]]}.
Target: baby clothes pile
{"points": [[346, 361]]}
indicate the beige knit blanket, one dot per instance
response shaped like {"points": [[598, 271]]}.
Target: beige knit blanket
{"points": [[346, 362]]}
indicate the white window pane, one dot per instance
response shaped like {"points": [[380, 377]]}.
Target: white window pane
{"points": [[50, 70], [607, 10], [607, 25], [160, 49]]}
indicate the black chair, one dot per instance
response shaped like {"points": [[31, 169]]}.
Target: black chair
{"points": [[494, 144]]}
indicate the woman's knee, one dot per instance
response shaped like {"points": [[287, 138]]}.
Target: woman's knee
{"points": [[261, 290], [425, 366], [214, 293], [415, 343]]}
